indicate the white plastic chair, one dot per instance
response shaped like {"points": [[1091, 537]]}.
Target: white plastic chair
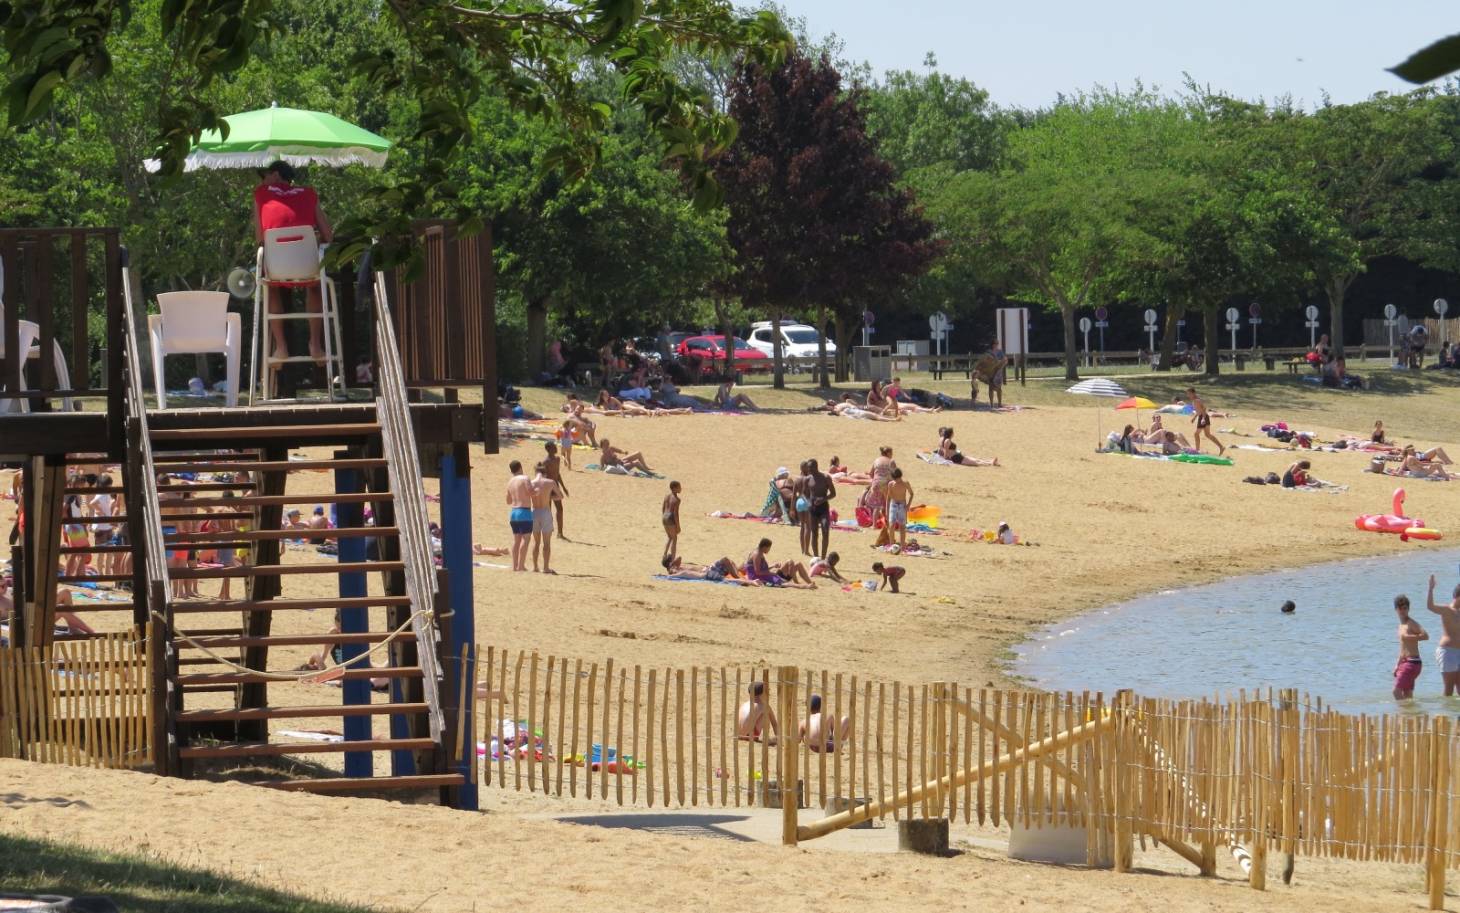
{"points": [[194, 323], [292, 257], [30, 334]]}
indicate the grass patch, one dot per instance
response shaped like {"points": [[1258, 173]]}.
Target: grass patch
{"points": [[139, 883]]}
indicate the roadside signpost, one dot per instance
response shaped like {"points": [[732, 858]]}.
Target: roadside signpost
{"points": [[1255, 310], [1085, 329], [1391, 317], [1312, 324], [1150, 316], [1234, 323]]}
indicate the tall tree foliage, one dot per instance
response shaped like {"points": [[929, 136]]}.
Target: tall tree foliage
{"points": [[816, 220], [445, 58]]}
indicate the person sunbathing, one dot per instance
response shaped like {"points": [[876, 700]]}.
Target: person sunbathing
{"points": [[608, 404], [583, 429], [841, 473], [725, 399], [722, 571], [608, 455], [630, 407], [950, 452], [757, 567], [793, 571], [848, 409], [821, 733], [1415, 466], [876, 398], [489, 550], [64, 602], [1156, 434]]}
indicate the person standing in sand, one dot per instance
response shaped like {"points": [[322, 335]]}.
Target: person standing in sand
{"points": [[820, 490], [670, 516], [519, 516], [553, 468], [1447, 654], [1407, 669], [1203, 421], [899, 500], [544, 493], [881, 473]]}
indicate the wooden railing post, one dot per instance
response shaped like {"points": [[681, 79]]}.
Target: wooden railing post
{"points": [[1123, 756], [1439, 816], [1261, 728], [1289, 742], [789, 744]]}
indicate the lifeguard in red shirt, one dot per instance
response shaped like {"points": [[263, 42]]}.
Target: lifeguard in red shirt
{"points": [[279, 203]]}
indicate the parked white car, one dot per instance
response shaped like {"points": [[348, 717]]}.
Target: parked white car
{"points": [[797, 340]]}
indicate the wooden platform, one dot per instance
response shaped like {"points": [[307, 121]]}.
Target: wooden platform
{"points": [[23, 436]]}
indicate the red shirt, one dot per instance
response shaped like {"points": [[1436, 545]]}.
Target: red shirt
{"points": [[285, 206]]}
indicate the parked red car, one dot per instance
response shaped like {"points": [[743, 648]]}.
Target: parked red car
{"points": [[709, 353]]}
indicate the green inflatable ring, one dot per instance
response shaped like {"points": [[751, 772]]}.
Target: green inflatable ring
{"points": [[1202, 458]]}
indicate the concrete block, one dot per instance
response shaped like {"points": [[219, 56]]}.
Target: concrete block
{"points": [[770, 794], [1057, 844], [927, 836], [837, 804]]}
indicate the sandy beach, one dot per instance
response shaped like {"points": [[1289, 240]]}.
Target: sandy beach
{"points": [[1103, 528]]}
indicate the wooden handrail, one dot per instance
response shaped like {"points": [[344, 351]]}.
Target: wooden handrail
{"points": [[404, 470]]}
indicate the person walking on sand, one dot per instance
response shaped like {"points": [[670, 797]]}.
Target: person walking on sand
{"points": [[670, 516], [1203, 420], [820, 491], [544, 493], [519, 516], [552, 466], [1447, 654], [899, 500], [1407, 669]]}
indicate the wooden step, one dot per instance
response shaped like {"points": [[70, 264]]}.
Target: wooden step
{"points": [[91, 578], [211, 689], [273, 605], [207, 660], [229, 639], [366, 784], [209, 486], [258, 535], [177, 454], [230, 464], [341, 430], [299, 712], [274, 749], [93, 549], [249, 678], [282, 570], [99, 521], [172, 513], [80, 606], [97, 490], [319, 498]]}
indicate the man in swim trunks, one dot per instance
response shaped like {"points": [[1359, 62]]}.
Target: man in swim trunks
{"points": [[820, 490], [519, 516], [552, 468], [823, 734], [544, 493], [899, 497], [1203, 420], [1447, 654], [754, 715], [1406, 671]]}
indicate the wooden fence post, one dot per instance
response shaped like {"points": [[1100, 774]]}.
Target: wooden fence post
{"points": [[788, 746], [1439, 820], [1261, 729], [1288, 702], [1123, 759]]}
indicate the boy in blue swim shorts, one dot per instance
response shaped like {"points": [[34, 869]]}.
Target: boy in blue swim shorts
{"points": [[519, 517]]}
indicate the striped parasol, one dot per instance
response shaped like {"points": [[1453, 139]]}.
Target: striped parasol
{"points": [[1098, 386]]}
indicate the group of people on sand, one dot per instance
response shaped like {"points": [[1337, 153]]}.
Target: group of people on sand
{"points": [[1414, 463], [881, 404], [755, 721], [531, 504], [1163, 441]]}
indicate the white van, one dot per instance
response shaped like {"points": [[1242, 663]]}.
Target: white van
{"points": [[797, 340]]}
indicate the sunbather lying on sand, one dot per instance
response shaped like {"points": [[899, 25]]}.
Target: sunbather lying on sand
{"points": [[949, 451], [722, 571], [841, 473], [609, 455], [1417, 466]]}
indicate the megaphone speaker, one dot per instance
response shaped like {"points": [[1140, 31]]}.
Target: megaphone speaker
{"points": [[241, 283]]}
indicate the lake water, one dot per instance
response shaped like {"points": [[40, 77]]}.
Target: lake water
{"points": [[1340, 644]]}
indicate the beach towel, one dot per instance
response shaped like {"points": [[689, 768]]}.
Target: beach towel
{"points": [[773, 498], [929, 457], [1261, 449], [673, 579]]}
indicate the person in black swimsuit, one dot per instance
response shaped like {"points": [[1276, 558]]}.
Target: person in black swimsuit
{"points": [[1203, 421], [820, 489]]}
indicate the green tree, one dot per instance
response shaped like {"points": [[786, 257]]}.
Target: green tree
{"points": [[920, 120]]}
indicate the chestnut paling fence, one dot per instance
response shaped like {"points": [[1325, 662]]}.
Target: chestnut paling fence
{"points": [[1246, 774], [80, 702]]}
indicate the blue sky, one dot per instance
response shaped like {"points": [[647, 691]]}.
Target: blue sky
{"points": [[1025, 51]]}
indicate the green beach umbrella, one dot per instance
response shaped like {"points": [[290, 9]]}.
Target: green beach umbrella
{"points": [[256, 139]]}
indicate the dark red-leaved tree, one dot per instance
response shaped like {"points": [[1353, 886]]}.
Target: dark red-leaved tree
{"points": [[816, 219]]}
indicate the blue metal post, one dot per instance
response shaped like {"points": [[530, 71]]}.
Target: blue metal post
{"points": [[354, 621], [456, 539]]}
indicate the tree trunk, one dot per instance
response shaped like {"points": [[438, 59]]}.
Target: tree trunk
{"points": [[780, 362], [844, 337], [722, 320], [1072, 371], [825, 381], [1174, 313], [1336, 288], [537, 311], [1212, 333]]}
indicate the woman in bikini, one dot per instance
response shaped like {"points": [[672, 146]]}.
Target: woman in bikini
{"points": [[609, 455], [949, 451], [841, 473]]}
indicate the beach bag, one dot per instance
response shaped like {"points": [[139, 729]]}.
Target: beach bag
{"points": [[944, 400]]}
